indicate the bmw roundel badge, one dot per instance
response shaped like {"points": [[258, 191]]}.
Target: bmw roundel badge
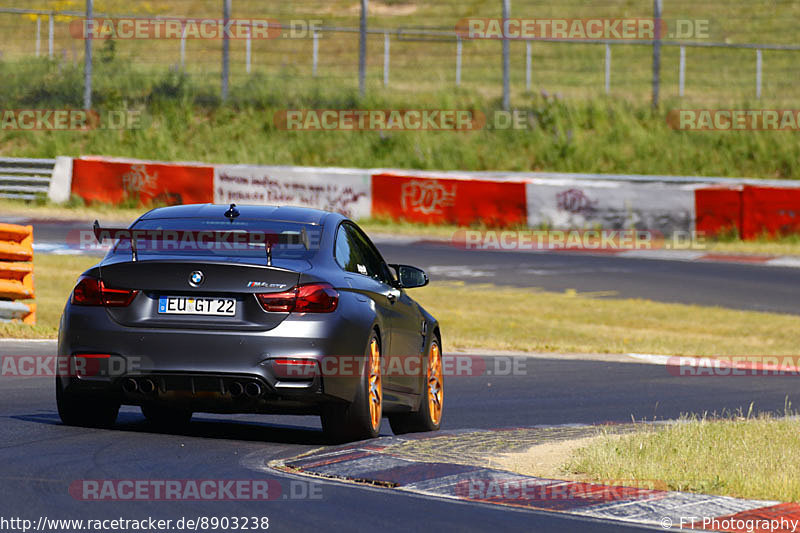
{"points": [[196, 278]]}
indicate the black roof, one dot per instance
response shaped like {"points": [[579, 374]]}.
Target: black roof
{"points": [[303, 215]]}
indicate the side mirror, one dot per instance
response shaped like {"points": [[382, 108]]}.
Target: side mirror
{"points": [[410, 277]]}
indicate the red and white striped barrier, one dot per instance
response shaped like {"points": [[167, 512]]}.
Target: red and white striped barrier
{"points": [[559, 201]]}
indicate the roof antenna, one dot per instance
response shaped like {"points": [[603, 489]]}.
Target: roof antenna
{"points": [[232, 212]]}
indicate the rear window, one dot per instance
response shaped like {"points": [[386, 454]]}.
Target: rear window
{"points": [[222, 239]]}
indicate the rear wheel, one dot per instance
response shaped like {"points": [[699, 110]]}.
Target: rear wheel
{"points": [[166, 417], [429, 416], [86, 411], [361, 419]]}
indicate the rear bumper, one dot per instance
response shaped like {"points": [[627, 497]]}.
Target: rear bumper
{"points": [[198, 367], [219, 393]]}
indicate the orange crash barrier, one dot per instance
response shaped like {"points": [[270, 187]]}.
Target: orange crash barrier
{"points": [[16, 273]]}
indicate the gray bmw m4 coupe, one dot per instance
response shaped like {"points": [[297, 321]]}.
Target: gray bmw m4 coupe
{"points": [[249, 309]]}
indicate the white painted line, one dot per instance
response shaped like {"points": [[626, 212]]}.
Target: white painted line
{"points": [[460, 271], [785, 261], [665, 255], [650, 359], [28, 340], [767, 363]]}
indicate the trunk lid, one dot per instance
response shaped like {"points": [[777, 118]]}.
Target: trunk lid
{"points": [[155, 279]]}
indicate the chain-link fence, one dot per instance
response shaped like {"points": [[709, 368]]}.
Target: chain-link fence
{"points": [[743, 51]]}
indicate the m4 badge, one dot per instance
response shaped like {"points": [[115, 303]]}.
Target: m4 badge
{"points": [[265, 284]]}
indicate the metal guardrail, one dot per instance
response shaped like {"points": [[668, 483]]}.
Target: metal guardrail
{"points": [[436, 34], [25, 179]]}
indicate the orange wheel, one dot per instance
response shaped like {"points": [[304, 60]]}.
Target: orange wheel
{"points": [[429, 415], [375, 385], [435, 380], [360, 419]]}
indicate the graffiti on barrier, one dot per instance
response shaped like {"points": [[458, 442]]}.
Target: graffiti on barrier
{"points": [[280, 191], [575, 201], [138, 181], [428, 197]]}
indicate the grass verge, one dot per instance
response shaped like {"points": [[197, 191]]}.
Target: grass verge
{"points": [[510, 318], [184, 120], [521, 319], [745, 457]]}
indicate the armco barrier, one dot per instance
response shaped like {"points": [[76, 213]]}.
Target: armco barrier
{"points": [[769, 210], [16, 273], [749, 210], [345, 191], [535, 199], [447, 200], [570, 204], [718, 209], [100, 179]]}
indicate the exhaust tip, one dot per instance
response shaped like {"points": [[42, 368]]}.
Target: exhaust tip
{"points": [[130, 386], [147, 386], [236, 389], [252, 389]]}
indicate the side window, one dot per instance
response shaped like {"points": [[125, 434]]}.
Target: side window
{"points": [[355, 254], [343, 250]]}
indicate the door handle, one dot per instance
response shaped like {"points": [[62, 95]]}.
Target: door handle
{"points": [[392, 296]]}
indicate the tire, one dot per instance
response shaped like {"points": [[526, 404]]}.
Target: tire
{"points": [[360, 419], [429, 415], [85, 411], [166, 417]]}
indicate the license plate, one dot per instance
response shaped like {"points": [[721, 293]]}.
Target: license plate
{"points": [[183, 305]]}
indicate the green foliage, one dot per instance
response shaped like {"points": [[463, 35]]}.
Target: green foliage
{"points": [[185, 120], [742, 455]]}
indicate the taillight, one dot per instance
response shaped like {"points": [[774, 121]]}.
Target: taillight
{"points": [[87, 292], [316, 298], [310, 298], [91, 291], [278, 302]]}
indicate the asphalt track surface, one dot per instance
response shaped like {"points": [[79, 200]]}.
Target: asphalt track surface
{"points": [[730, 285], [41, 457]]}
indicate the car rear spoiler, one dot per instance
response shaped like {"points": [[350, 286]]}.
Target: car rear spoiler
{"points": [[268, 239]]}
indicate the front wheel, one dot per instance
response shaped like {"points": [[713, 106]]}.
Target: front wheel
{"points": [[429, 415], [361, 419], [85, 411]]}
